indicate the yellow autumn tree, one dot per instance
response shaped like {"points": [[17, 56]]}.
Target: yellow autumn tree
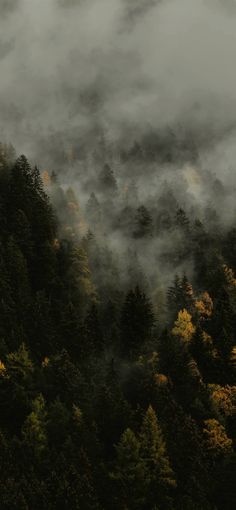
{"points": [[161, 380], [224, 399], [229, 276], [184, 327], [217, 441], [233, 357], [3, 370], [204, 306], [46, 178]]}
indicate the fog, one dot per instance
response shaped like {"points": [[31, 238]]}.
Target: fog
{"points": [[69, 65], [146, 86]]}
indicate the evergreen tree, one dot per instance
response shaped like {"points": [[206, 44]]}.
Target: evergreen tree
{"points": [[93, 211], [180, 296], [94, 342], [137, 321], [34, 429], [182, 220], [107, 179], [143, 223], [130, 473], [160, 477]]}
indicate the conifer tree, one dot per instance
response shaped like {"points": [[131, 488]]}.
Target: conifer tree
{"points": [[137, 321], [93, 210], [143, 223], [107, 179], [182, 220], [94, 342], [130, 473], [160, 476], [34, 428]]}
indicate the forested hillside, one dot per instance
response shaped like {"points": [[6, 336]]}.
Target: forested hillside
{"points": [[118, 365]]}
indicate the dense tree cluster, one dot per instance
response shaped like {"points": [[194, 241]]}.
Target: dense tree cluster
{"points": [[110, 396]]}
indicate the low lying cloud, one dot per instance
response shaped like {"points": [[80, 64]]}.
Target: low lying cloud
{"points": [[123, 65]]}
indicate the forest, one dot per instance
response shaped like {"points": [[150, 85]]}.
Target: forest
{"points": [[117, 255], [117, 329]]}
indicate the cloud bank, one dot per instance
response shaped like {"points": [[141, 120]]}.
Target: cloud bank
{"points": [[67, 65]]}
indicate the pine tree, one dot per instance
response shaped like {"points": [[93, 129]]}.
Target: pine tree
{"points": [[58, 421], [177, 363], [182, 220], [70, 330], [107, 179], [112, 412], [94, 342], [130, 473], [222, 325], [202, 350], [180, 295], [19, 365], [143, 223], [34, 428], [160, 476], [81, 287], [93, 211], [137, 321]]}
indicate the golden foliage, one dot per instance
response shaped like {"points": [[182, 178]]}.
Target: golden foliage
{"points": [[204, 306], [207, 340], [77, 414], [224, 398], [229, 275], [46, 178], [161, 379], [216, 438], [184, 327], [188, 289], [3, 370], [233, 357], [45, 362]]}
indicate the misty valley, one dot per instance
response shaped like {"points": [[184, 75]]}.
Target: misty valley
{"points": [[117, 255]]}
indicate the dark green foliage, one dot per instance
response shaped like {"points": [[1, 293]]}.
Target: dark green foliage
{"points": [[93, 210], [107, 179], [143, 223], [137, 321], [93, 336], [99, 407], [181, 219], [180, 295], [130, 473]]}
